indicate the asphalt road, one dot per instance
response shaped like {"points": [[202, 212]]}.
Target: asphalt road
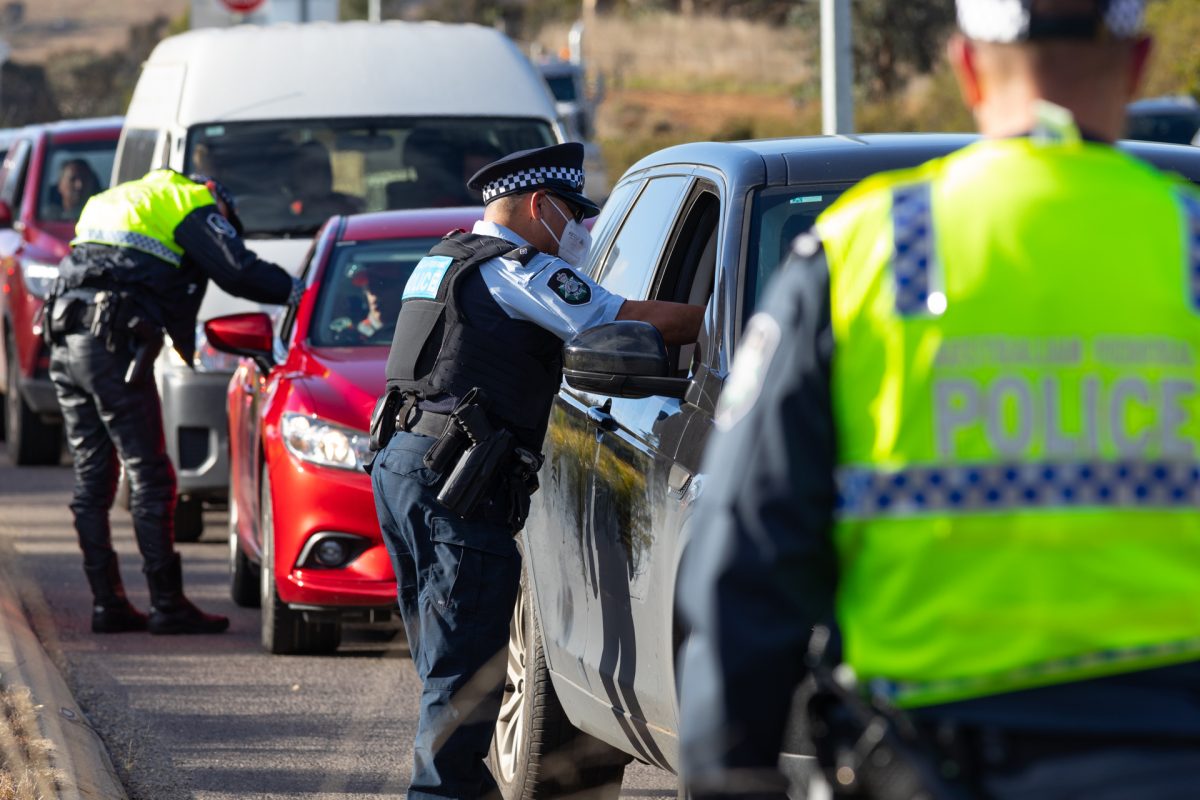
{"points": [[214, 717]]}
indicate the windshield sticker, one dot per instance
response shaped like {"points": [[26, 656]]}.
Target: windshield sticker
{"points": [[427, 278], [570, 287], [811, 198], [214, 130]]}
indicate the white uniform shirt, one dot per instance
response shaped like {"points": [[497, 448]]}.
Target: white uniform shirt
{"points": [[547, 291]]}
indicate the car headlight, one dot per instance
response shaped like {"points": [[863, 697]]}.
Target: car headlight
{"points": [[39, 278], [315, 440]]}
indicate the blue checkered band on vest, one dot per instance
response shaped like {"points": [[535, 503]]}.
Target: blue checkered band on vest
{"points": [[136, 241], [865, 493], [1191, 207], [913, 251], [532, 179]]}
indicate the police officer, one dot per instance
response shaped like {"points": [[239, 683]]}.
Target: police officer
{"points": [[964, 428], [139, 264], [479, 341]]}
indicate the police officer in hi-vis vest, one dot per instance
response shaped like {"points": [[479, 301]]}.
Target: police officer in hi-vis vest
{"points": [[474, 367], [962, 437], [139, 264]]}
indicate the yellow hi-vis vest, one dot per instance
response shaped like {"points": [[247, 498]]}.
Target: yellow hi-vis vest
{"points": [[1015, 386], [143, 214]]}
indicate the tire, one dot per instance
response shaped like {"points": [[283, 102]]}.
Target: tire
{"points": [[189, 519], [243, 574], [284, 631], [31, 442], [536, 752]]}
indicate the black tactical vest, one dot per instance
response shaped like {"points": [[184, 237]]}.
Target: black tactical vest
{"points": [[461, 339]]}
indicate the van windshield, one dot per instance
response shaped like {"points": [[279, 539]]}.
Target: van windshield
{"points": [[290, 176]]}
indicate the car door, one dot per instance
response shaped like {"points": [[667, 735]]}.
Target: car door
{"points": [[641, 493], [12, 190]]}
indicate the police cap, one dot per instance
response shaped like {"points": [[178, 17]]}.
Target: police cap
{"points": [[220, 190], [1009, 21], [557, 169]]}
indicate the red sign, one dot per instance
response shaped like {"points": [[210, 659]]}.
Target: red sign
{"points": [[242, 6]]}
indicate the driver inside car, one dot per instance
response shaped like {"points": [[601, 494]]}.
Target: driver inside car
{"points": [[376, 290]]}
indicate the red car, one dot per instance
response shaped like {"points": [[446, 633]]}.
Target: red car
{"points": [[49, 172], [304, 541]]}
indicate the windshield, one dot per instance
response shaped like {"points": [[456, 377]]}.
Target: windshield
{"points": [[73, 173], [361, 290], [289, 177], [780, 215]]}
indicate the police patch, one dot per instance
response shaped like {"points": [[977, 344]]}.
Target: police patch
{"points": [[570, 287], [749, 370], [221, 226]]}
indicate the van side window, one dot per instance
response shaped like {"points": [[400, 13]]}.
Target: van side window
{"points": [[633, 259], [137, 154]]}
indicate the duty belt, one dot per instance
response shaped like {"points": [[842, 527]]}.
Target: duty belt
{"points": [[425, 423]]}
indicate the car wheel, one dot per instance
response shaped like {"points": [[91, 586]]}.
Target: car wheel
{"points": [[30, 441], [189, 519], [536, 752], [284, 631], [243, 574]]}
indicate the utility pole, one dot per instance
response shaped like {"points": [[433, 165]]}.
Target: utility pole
{"points": [[374, 10], [837, 68]]}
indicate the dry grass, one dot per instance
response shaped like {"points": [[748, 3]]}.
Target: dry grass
{"points": [[26, 766], [55, 26]]}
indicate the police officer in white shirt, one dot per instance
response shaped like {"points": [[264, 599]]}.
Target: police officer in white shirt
{"points": [[473, 370]]}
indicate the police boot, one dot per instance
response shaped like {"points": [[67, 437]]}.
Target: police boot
{"points": [[111, 609], [170, 611]]}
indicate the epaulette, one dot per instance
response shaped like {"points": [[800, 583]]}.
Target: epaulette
{"points": [[523, 254]]}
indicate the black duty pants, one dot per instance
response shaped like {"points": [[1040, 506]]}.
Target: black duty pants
{"points": [[107, 419]]}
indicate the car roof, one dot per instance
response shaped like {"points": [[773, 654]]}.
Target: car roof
{"points": [[817, 159], [1179, 104], [71, 128], [410, 223], [302, 71]]}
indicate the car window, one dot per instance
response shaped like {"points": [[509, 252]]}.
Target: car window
{"points": [[562, 87], [779, 215], [1174, 128], [633, 258], [137, 153], [72, 174], [290, 176], [14, 176], [361, 289], [688, 271], [610, 215]]}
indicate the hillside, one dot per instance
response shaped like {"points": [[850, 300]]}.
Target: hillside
{"points": [[54, 26]]}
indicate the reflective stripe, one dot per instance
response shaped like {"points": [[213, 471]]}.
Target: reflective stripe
{"points": [[865, 493], [913, 258], [906, 693], [137, 241], [1191, 207]]}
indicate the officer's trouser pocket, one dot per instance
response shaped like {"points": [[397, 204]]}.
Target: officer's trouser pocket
{"points": [[461, 553]]}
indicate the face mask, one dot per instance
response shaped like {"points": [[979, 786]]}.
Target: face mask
{"points": [[576, 241]]}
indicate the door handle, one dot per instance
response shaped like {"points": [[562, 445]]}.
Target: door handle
{"points": [[599, 416]]}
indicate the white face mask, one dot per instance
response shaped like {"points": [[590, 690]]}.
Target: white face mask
{"points": [[575, 242]]}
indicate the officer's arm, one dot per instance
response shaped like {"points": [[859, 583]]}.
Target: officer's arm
{"points": [[760, 568], [679, 323], [210, 241]]}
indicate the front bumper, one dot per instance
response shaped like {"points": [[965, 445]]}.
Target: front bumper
{"points": [[310, 501], [197, 430]]}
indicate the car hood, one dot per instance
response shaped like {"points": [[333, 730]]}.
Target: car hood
{"points": [[342, 383]]}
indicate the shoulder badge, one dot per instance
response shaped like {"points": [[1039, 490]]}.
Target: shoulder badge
{"points": [[570, 287], [749, 370], [221, 226]]}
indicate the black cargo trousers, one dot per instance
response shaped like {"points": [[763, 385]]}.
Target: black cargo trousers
{"points": [[106, 419]]}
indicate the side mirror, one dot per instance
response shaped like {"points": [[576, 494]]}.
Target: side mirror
{"points": [[6, 215], [622, 359], [248, 334]]}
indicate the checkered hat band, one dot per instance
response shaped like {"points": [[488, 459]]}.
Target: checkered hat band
{"points": [[532, 179], [1010, 20]]}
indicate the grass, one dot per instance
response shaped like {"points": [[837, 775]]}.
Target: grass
{"points": [[26, 766]]}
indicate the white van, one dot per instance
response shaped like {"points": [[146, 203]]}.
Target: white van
{"points": [[302, 122]]}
